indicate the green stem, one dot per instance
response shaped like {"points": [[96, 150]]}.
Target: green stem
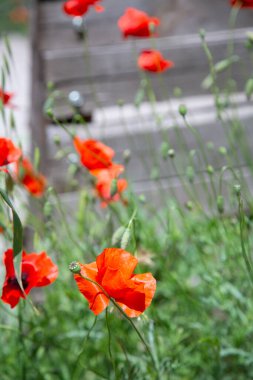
{"points": [[126, 317], [109, 344], [83, 350], [242, 225], [22, 343]]}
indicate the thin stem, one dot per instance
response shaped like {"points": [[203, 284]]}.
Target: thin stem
{"points": [[242, 226], [126, 317], [110, 342], [22, 343], [83, 350]]}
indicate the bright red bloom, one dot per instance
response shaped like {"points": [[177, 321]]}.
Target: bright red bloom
{"points": [[242, 3], [104, 184], [94, 155], [136, 23], [37, 269], [8, 152], [6, 97], [113, 271], [80, 7], [152, 60], [34, 182]]}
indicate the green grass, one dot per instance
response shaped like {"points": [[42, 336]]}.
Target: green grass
{"points": [[199, 324]]}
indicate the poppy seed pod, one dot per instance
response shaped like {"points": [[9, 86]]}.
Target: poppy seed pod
{"points": [[74, 267]]}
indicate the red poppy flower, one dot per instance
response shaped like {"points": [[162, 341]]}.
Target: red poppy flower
{"points": [[94, 155], [136, 23], [37, 270], [34, 182], [152, 60], [107, 179], [6, 97], [242, 3], [80, 7], [113, 271], [8, 152]]}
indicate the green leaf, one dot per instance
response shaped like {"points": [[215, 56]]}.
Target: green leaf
{"points": [[17, 226]]}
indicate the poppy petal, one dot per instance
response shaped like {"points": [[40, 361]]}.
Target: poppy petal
{"points": [[94, 154], [92, 292], [44, 266], [11, 289], [115, 267], [133, 306]]}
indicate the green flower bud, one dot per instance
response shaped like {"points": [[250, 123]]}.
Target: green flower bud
{"points": [[223, 150], [237, 189], [189, 205], [127, 155], [202, 33], [142, 198], [49, 113], [50, 86], [210, 169], [220, 204], [182, 110], [171, 153]]}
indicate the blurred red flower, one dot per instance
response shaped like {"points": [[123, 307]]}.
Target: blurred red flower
{"points": [[108, 187], [137, 23], [8, 152], [242, 3], [113, 271], [6, 97], [153, 61], [80, 7], [37, 269], [19, 14], [34, 182], [94, 155]]}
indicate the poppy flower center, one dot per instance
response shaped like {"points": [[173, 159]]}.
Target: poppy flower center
{"points": [[14, 282]]}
